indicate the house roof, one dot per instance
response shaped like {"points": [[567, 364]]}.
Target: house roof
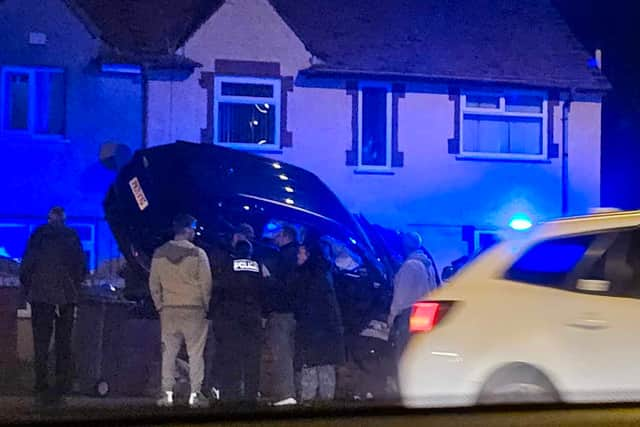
{"points": [[146, 27], [522, 42], [504, 41]]}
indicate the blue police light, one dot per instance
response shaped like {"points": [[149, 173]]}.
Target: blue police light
{"points": [[272, 226], [520, 222]]}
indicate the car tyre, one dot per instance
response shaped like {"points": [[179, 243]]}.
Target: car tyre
{"points": [[518, 383]]}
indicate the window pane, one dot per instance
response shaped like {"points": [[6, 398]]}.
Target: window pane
{"points": [[246, 123], [50, 102], [374, 126], [247, 89], [483, 101], [343, 257], [484, 134], [550, 262], [618, 266], [523, 104], [496, 134], [16, 101], [525, 135]]}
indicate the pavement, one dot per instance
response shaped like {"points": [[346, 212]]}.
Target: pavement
{"points": [[121, 410]]}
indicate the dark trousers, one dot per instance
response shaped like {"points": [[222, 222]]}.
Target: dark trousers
{"points": [[210, 370], [44, 317], [238, 353], [373, 362], [400, 333]]}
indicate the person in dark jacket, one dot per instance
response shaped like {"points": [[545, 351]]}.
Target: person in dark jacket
{"points": [[219, 256], [281, 325], [52, 271], [319, 331], [236, 310]]}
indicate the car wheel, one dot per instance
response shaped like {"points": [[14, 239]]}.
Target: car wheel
{"points": [[102, 388], [518, 383]]}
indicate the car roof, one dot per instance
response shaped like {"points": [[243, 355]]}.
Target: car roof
{"points": [[590, 223]]}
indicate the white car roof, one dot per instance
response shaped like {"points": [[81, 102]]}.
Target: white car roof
{"points": [[495, 260], [588, 223]]}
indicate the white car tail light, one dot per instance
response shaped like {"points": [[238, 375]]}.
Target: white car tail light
{"points": [[425, 315]]}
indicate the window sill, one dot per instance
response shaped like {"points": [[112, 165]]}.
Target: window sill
{"points": [[30, 138], [489, 158], [373, 171], [252, 148]]}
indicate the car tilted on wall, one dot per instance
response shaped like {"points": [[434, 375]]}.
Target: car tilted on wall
{"points": [[223, 188]]}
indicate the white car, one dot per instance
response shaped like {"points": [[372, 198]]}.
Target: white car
{"points": [[553, 316]]}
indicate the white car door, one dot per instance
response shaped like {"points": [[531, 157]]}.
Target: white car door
{"points": [[600, 344]]}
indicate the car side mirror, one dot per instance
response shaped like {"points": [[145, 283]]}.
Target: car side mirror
{"points": [[447, 272]]}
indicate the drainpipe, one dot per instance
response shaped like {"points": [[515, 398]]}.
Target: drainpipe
{"points": [[566, 108], [145, 105]]}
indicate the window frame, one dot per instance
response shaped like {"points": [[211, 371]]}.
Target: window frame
{"points": [[501, 112], [276, 100], [33, 94], [389, 126]]}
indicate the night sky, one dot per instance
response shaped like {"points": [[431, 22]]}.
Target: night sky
{"points": [[614, 27]]}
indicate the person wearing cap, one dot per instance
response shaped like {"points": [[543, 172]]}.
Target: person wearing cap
{"points": [[413, 281], [180, 283], [52, 271]]}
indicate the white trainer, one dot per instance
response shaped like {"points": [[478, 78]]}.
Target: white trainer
{"points": [[198, 400], [286, 402], [166, 401]]}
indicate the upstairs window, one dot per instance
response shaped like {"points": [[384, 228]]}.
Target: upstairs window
{"points": [[247, 112], [504, 126], [374, 143], [32, 101]]}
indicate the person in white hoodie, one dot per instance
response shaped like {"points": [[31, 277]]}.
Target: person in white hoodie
{"points": [[415, 279], [180, 283]]}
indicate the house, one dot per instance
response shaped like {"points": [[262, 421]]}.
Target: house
{"points": [[448, 117], [65, 100]]}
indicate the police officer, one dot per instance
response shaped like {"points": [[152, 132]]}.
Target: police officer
{"points": [[237, 319]]}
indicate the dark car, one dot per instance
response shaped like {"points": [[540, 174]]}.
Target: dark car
{"points": [[222, 187]]}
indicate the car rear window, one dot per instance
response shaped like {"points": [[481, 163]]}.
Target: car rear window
{"points": [[548, 263]]}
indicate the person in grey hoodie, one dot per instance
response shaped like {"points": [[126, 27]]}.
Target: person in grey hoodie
{"points": [[180, 283], [414, 280]]}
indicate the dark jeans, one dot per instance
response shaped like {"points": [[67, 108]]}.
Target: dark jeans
{"points": [[400, 333], [44, 317], [238, 355], [210, 371]]}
